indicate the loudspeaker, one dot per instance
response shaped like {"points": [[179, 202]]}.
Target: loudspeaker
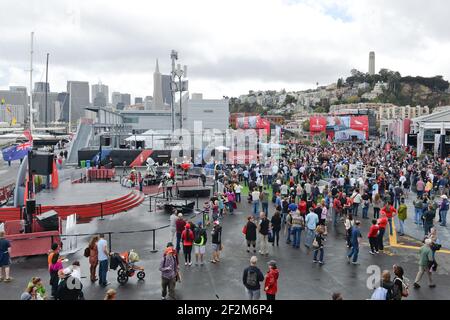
{"points": [[41, 163], [48, 221], [31, 206]]}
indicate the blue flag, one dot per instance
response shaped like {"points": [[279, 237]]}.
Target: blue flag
{"points": [[16, 152]]}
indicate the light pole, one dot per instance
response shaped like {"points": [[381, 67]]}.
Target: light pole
{"points": [[177, 73]]}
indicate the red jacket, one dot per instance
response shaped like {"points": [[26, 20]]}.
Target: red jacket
{"points": [[388, 211], [184, 237], [382, 222], [271, 282], [373, 231], [302, 207]]}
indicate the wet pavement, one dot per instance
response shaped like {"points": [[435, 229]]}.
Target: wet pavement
{"points": [[300, 279]]}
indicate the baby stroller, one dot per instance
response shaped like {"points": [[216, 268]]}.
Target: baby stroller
{"points": [[125, 261]]}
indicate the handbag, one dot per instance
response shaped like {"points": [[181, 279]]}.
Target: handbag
{"points": [[244, 229], [270, 236]]}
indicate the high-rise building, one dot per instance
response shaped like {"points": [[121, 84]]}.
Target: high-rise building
{"points": [[78, 99], [41, 87], [125, 98], [138, 100], [62, 107], [372, 63], [166, 92], [15, 105], [158, 102], [96, 90], [116, 98], [45, 113]]}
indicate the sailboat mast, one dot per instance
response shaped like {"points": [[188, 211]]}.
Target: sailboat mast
{"points": [[47, 88], [31, 84]]}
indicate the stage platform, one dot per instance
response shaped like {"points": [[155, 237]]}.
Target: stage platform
{"points": [[196, 191]]}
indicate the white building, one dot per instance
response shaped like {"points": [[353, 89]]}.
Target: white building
{"points": [[428, 129]]}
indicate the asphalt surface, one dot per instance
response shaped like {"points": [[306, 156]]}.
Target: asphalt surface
{"points": [[300, 278]]}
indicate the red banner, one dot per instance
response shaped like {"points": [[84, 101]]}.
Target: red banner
{"points": [[317, 124]]}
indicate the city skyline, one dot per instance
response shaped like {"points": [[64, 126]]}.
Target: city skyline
{"points": [[306, 42]]}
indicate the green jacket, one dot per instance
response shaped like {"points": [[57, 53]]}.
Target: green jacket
{"points": [[402, 212], [426, 255]]}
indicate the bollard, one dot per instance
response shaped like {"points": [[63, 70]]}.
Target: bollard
{"points": [[154, 248], [150, 203], [101, 212], [109, 242], [197, 200]]}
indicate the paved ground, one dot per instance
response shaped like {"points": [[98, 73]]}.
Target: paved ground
{"points": [[299, 279], [8, 174]]}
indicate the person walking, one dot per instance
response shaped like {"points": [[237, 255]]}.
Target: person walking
{"points": [[237, 192], [200, 239], [93, 257], [55, 267], [355, 242], [251, 279], [373, 237], [250, 233], [103, 255], [263, 228], [348, 224], [425, 261], [5, 258], [311, 221], [169, 270], [216, 240], [179, 224], [365, 205], [188, 239], [319, 244], [271, 280], [443, 209], [275, 223], [402, 215]]}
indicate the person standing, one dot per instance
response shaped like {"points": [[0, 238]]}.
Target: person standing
{"points": [[348, 224], [377, 205], [443, 209], [251, 279], [255, 201], [250, 233], [297, 225], [311, 221], [420, 187], [319, 238], [275, 223], [55, 267], [169, 270], [103, 254], [264, 198], [425, 261], [180, 224], [200, 239], [188, 239], [418, 207], [263, 229], [237, 191], [400, 288], [389, 211], [355, 241], [428, 217], [365, 205], [216, 240], [356, 200], [402, 215], [382, 224], [271, 280], [373, 237], [173, 225], [93, 257], [5, 258]]}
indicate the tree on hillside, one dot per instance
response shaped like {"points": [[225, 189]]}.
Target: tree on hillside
{"points": [[306, 125], [290, 99]]}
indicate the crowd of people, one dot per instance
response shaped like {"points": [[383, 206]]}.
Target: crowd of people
{"points": [[310, 190]]}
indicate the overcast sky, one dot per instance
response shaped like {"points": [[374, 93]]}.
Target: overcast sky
{"points": [[230, 46]]}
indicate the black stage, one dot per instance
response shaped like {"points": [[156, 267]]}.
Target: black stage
{"points": [[192, 192], [182, 206]]}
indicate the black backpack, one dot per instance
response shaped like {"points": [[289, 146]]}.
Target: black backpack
{"points": [[198, 235], [252, 278]]}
